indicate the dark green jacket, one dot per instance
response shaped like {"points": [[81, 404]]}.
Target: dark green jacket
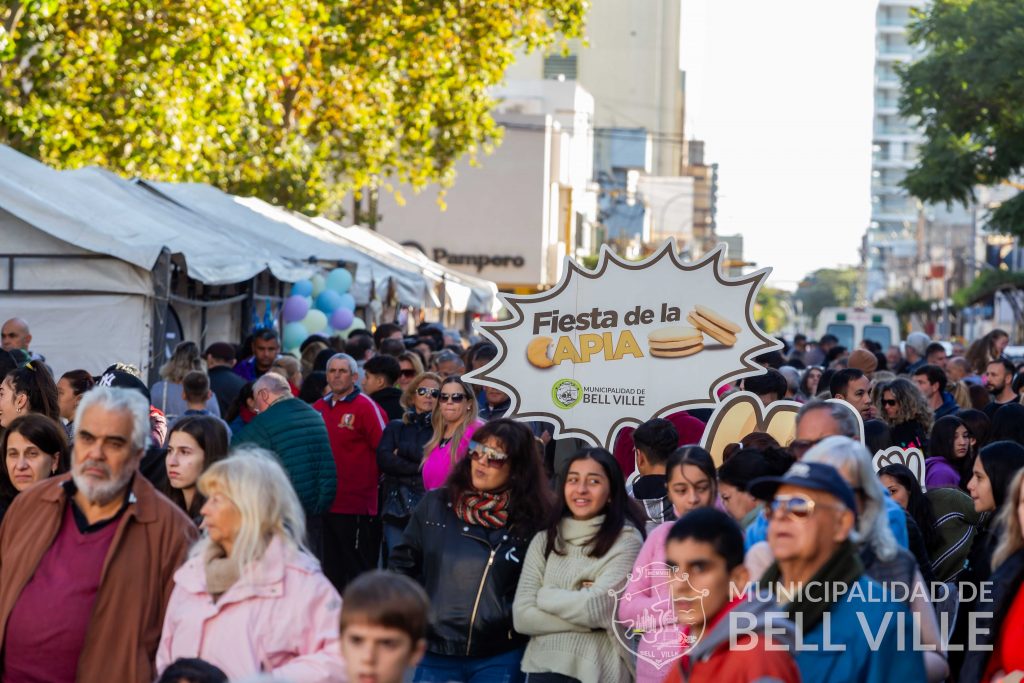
{"points": [[296, 434]]}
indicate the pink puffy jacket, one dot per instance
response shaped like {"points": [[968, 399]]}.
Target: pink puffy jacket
{"points": [[281, 616]]}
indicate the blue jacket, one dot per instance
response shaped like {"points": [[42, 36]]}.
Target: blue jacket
{"points": [[949, 406], [861, 660]]}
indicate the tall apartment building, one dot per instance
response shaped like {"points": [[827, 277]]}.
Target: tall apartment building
{"points": [[890, 245]]}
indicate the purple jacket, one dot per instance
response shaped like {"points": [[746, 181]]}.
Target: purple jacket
{"points": [[939, 474]]}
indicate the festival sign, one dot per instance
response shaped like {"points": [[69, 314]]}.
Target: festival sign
{"points": [[625, 342]]}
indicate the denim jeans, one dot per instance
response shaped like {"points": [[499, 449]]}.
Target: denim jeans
{"points": [[503, 668]]}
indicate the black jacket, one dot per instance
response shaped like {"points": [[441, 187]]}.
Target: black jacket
{"points": [[399, 457], [1006, 580], [225, 385], [470, 574], [390, 399]]}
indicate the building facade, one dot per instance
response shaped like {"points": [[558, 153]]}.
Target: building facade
{"points": [[890, 245]]}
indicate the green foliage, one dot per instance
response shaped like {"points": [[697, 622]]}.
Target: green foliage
{"points": [[770, 311], [905, 304], [986, 284], [295, 101], [828, 287], [968, 93]]}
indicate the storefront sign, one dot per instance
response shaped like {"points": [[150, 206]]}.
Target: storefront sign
{"points": [[625, 342], [480, 261]]}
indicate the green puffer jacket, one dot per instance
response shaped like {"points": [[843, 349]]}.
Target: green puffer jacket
{"points": [[296, 434]]}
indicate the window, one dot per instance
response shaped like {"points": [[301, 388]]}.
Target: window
{"points": [[880, 334], [560, 67], [842, 332]]}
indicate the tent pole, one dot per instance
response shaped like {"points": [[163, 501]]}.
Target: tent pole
{"points": [[161, 292]]}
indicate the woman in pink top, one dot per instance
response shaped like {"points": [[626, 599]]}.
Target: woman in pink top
{"points": [[647, 600], [455, 420]]}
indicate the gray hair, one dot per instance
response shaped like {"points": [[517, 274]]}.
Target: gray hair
{"points": [[272, 382], [353, 366], [120, 400], [792, 376], [854, 462], [446, 356], [840, 411]]}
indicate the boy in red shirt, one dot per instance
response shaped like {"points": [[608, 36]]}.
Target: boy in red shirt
{"points": [[705, 549]]}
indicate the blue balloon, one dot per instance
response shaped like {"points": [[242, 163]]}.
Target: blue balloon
{"points": [[329, 301], [294, 335], [347, 301], [340, 280], [302, 288]]}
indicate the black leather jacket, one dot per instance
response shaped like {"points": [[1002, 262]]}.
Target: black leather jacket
{"points": [[470, 574], [399, 458]]}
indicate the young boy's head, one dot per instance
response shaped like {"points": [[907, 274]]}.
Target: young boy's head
{"points": [[654, 441], [384, 618], [705, 547], [195, 389]]}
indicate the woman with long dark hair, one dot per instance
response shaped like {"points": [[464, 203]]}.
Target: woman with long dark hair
{"points": [[70, 389], [980, 426], [34, 447], [28, 389], [243, 409], [194, 443], [985, 350], [950, 460], [465, 543], [454, 421], [1008, 423], [563, 601]]}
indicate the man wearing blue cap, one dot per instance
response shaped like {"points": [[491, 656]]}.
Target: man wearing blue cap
{"points": [[847, 626]]}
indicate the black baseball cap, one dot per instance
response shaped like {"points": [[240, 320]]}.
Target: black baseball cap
{"points": [[808, 475]]}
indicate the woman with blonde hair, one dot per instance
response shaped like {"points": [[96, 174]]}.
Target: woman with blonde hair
{"points": [[907, 413], [167, 393], [250, 599], [454, 422], [309, 355]]}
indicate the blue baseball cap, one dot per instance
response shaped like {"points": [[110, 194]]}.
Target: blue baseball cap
{"points": [[808, 475]]}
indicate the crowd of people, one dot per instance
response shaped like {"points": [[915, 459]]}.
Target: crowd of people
{"points": [[359, 511]]}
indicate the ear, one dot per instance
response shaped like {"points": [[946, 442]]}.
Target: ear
{"points": [[845, 526], [641, 458], [418, 651], [20, 401], [739, 577]]}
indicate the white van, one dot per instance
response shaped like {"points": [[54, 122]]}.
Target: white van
{"points": [[853, 325]]}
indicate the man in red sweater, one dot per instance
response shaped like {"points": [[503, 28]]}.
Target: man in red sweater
{"points": [[352, 532], [705, 548]]}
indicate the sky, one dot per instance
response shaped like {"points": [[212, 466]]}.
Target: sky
{"points": [[781, 92]]}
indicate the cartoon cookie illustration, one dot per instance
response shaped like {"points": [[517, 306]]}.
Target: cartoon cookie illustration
{"points": [[714, 325], [675, 342], [537, 352]]}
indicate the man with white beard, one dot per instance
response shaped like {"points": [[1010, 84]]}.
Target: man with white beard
{"points": [[87, 559]]}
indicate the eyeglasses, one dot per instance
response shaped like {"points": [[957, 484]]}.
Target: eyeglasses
{"points": [[426, 391], [795, 507], [801, 446], [454, 398], [889, 402], [487, 455], [408, 373]]}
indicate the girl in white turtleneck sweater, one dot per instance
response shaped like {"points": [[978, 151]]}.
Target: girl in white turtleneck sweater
{"points": [[563, 601]]}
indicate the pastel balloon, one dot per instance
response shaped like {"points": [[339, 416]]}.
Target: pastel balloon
{"points": [[347, 301], [329, 301], [315, 321], [357, 324], [340, 280], [302, 288], [294, 335], [341, 318], [295, 308], [318, 285]]}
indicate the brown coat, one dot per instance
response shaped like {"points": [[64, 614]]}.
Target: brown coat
{"points": [[151, 542]]}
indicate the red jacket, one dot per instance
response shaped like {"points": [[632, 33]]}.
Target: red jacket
{"points": [[745, 663], [354, 425]]}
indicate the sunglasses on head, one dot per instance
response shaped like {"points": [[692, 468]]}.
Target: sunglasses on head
{"points": [[427, 391], [408, 373], [457, 397], [486, 455], [794, 507]]}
